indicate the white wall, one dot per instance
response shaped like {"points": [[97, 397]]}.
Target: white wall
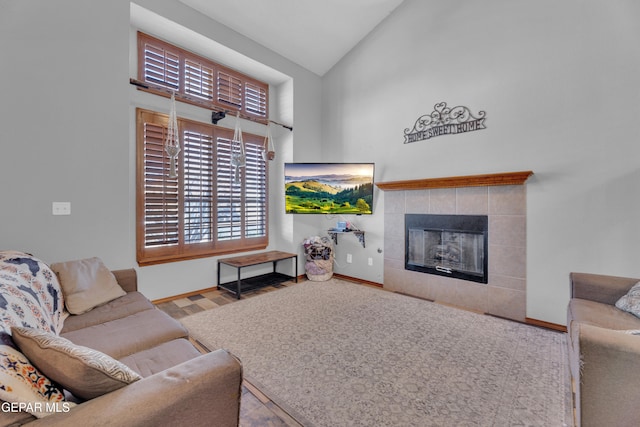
{"points": [[68, 133], [559, 83], [64, 116]]}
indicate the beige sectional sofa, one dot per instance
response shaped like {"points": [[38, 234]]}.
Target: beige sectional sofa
{"points": [[154, 375], [604, 351]]}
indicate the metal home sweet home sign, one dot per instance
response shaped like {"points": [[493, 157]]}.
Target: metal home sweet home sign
{"points": [[444, 121]]}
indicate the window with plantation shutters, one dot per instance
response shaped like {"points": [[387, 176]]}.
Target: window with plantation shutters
{"points": [[202, 81], [204, 211]]}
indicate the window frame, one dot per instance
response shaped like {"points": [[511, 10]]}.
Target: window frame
{"points": [[221, 171]]}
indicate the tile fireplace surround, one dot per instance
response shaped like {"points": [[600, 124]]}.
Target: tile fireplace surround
{"points": [[500, 196]]}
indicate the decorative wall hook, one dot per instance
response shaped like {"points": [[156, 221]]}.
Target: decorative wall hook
{"points": [[444, 120]]}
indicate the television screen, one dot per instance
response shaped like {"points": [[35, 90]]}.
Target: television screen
{"points": [[329, 188]]}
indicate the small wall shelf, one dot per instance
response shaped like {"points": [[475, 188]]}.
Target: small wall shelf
{"points": [[359, 234]]}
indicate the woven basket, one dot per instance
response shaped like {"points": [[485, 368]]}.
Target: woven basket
{"points": [[319, 255], [320, 277]]}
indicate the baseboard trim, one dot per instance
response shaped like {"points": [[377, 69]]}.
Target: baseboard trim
{"points": [[356, 280], [547, 325], [185, 295]]}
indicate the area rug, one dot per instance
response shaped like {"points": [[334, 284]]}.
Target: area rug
{"points": [[336, 353]]}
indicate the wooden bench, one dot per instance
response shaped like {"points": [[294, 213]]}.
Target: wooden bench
{"points": [[248, 284]]}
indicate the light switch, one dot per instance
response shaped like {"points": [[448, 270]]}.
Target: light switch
{"points": [[61, 208]]}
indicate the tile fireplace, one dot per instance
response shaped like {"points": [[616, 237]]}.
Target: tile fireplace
{"points": [[502, 201]]}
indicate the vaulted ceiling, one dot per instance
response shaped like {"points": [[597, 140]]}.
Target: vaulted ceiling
{"points": [[314, 34]]}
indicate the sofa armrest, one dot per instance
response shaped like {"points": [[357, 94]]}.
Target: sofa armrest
{"points": [[127, 279], [600, 288], [204, 391], [608, 391]]}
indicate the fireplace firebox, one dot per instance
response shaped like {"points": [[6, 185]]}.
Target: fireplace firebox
{"points": [[447, 245]]}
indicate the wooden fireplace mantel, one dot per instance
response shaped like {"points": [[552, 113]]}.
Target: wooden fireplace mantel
{"points": [[486, 180]]}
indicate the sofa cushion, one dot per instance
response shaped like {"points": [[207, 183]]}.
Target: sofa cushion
{"points": [[631, 301], [126, 305], [128, 335], [86, 283], [85, 372], [602, 315], [30, 293], [22, 382], [161, 357]]}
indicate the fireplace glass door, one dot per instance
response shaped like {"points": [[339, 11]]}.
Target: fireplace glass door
{"points": [[447, 245], [447, 250]]}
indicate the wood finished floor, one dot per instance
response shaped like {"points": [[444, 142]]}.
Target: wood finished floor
{"points": [[256, 409]]}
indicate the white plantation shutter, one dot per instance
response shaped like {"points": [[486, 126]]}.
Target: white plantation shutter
{"points": [[229, 90], [202, 212], [198, 79], [198, 187], [229, 194], [255, 99], [205, 82], [242, 208], [161, 65], [255, 190], [161, 216]]}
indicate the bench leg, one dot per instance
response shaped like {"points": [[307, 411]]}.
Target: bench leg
{"points": [[218, 283], [238, 284]]}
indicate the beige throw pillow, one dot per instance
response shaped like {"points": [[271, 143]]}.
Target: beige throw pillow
{"points": [[86, 283], [85, 372], [631, 301]]}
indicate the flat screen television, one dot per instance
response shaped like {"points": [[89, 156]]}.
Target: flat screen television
{"points": [[329, 188]]}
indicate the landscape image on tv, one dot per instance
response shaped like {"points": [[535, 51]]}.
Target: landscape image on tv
{"points": [[329, 188]]}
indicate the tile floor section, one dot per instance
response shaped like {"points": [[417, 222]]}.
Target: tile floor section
{"points": [[256, 409]]}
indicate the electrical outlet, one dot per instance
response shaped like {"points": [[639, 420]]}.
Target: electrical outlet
{"points": [[349, 258], [61, 208], [370, 261]]}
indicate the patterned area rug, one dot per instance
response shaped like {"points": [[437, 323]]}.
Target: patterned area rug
{"points": [[340, 354]]}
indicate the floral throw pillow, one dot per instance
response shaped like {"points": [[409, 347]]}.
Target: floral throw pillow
{"points": [[24, 387], [30, 294], [631, 301]]}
